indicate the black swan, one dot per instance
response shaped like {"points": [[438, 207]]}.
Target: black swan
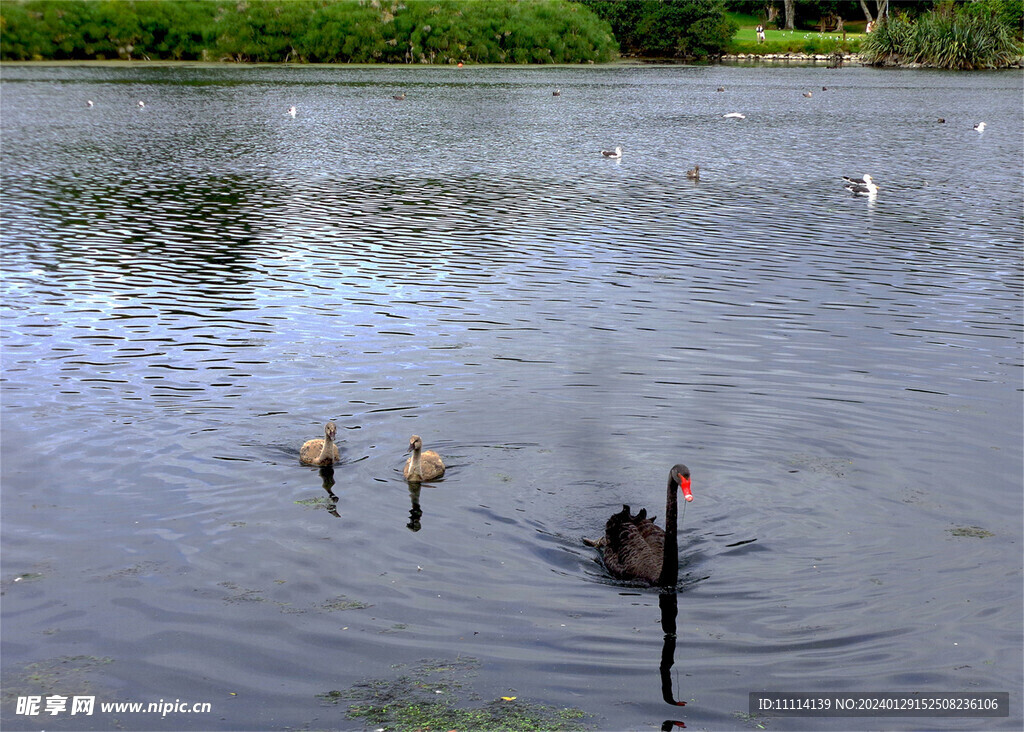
{"points": [[321, 451], [635, 548], [423, 464]]}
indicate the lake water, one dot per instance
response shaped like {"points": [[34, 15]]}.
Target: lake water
{"points": [[191, 289]]}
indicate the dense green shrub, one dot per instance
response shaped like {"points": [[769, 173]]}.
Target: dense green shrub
{"points": [[947, 37], [76, 29], [359, 31], [686, 28]]}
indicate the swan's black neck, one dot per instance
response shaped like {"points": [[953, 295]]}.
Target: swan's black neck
{"points": [[670, 562]]}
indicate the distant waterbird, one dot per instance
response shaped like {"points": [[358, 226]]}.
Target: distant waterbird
{"points": [[808, 94], [734, 115], [614, 154], [399, 97], [291, 112], [980, 127], [693, 173], [556, 93], [88, 103], [141, 104]]}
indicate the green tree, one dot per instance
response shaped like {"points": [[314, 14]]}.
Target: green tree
{"points": [[667, 27]]}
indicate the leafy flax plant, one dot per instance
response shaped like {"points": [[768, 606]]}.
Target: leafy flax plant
{"points": [[944, 39]]}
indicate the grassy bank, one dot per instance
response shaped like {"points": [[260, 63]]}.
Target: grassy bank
{"points": [[980, 34]]}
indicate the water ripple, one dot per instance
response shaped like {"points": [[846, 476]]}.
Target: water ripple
{"points": [[192, 289]]}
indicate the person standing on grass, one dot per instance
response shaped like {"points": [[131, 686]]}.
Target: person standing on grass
{"points": [[760, 33]]}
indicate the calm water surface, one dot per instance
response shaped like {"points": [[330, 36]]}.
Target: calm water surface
{"points": [[192, 289]]}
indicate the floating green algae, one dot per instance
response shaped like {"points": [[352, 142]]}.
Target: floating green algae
{"points": [[975, 532], [431, 696]]}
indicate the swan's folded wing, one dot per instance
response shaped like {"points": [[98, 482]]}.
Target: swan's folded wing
{"points": [[634, 548]]}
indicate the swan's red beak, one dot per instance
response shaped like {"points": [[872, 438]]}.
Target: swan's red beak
{"points": [[684, 486]]}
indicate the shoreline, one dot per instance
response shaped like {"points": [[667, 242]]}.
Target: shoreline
{"points": [[799, 57], [768, 59]]}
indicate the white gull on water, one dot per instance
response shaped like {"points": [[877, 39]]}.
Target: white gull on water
{"points": [[863, 187]]}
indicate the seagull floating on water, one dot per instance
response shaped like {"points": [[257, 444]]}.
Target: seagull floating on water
{"points": [[734, 115], [980, 127], [693, 173], [141, 104], [808, 95], [721, 88], [863, 187], [616, 153], [291, 111], [399, 97], [88, 103], [556, 93]]}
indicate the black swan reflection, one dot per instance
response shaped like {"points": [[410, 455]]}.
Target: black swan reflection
{"points": [[668, 601], [635, 548]]}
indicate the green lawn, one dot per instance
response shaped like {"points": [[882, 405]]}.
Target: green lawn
{"points": [[797, 41], [853, 26]]}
